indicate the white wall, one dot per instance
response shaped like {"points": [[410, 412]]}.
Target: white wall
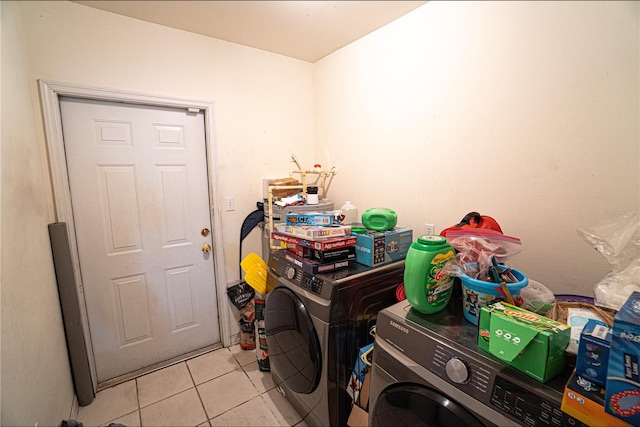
{"points": [[525, 111], [36, 378], [263, 114]]}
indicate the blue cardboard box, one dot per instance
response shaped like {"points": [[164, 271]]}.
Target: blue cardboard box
{"points": [[375, 248], [622, 398], [593, 352], [325, 219]]}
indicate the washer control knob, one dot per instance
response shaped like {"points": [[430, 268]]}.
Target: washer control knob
{"points": [[291, 273], [457, 370]]}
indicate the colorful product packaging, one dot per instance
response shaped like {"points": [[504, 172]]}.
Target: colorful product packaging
{"points": [[593, 352], [323, 257], [529, 342], [584, 401], [375, 248], [623, 375], [321, 245], [315, 267], [342, 254], [311, 218], [262, 349], [577, 318], [313, 232]]}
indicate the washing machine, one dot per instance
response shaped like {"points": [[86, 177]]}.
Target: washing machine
{"points": [[315, 326], [428, 371]]}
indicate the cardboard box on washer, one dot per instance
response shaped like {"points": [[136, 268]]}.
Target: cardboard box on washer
{"points": [[375, 248], [593, 352], [622, 398], [584, 401], [529, 342]]}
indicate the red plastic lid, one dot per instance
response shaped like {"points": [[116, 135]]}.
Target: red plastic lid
{"points": [[479, 232]]}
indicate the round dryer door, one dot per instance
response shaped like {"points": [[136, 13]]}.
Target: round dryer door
{"points": [[294, 348], [414, 405]]}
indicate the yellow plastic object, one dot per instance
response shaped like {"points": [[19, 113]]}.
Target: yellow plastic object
{"points": [[257, 280], [256, 271], [253, 261]]}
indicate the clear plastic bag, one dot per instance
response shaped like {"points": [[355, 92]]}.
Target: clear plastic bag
{"points": [[615, 288], [617, 239], [475, 249], [537, 298]]}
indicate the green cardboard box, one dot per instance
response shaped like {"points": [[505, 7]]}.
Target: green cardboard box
{"points": [[529, 342]]}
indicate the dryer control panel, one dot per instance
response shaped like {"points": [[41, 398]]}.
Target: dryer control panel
{"points": [[443, 344], [480, 380], [304, 280], [296, 276], [528, 407]]}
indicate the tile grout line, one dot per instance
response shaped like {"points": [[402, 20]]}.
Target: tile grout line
{"points": [[279, 417], [240, 404], [139, 408], [195, 386]]}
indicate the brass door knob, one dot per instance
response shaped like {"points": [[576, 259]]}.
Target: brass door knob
{"points": [[206, 248], [205, 232]]}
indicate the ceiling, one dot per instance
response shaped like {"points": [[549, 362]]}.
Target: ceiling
{"points": [[306, 30]]}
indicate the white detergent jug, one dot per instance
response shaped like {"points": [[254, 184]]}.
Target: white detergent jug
{"points": [[350, 212]]}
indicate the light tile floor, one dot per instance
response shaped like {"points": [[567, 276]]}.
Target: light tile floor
{"points": [[220, 388]]}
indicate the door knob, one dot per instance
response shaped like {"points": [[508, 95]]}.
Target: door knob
{"points": [[205, 232], [206, 248]]}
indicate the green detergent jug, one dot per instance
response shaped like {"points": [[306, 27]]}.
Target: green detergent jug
{"points": [[428, 289]]}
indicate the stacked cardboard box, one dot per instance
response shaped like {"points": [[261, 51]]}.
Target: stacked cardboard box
{"points": [[593, 352], [605, 387], [622, 398], [375, 248], [584, 401], [584, 393], [313, 232], [316, 241], [529, 342], [319, 237]]}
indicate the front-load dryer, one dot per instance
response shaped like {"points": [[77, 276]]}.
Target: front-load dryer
{"points": [[428, 371], [315, 326]]}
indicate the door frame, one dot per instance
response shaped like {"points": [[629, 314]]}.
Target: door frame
{"points": [[50, 92]]}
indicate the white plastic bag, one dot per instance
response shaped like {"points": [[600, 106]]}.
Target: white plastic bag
{"points": [[618, 240], [615, 288], [537, 297]]}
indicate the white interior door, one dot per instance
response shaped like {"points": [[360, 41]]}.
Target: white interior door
{"points": [[140, 198]]}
